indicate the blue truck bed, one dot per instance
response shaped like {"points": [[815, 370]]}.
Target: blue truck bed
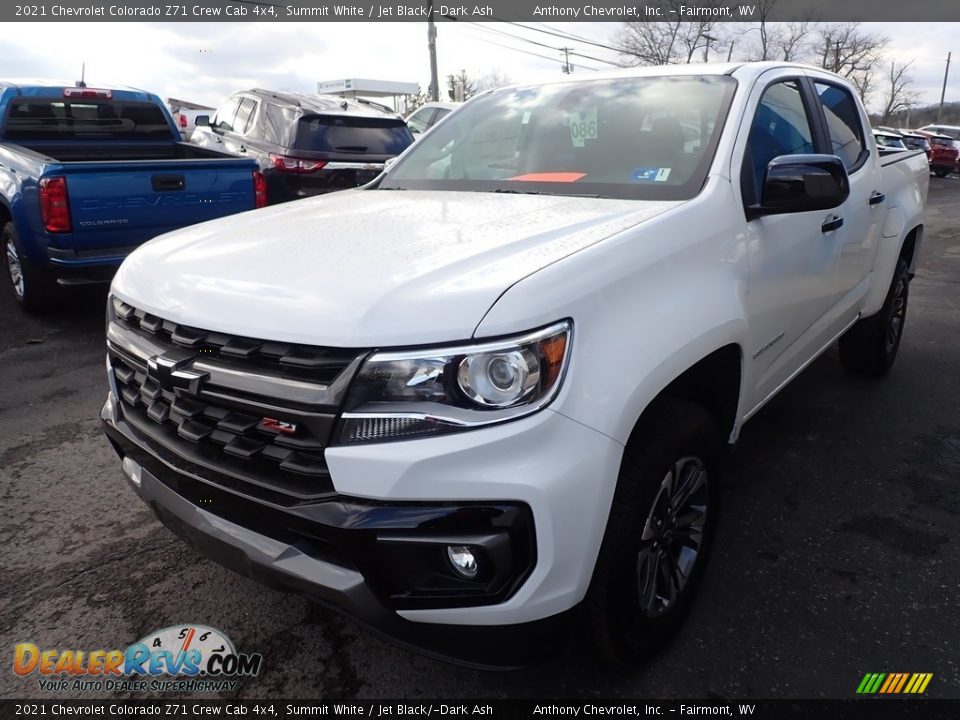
{"points": [[87, 175]]}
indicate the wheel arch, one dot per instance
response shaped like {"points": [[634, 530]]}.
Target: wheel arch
{"points": [[714, 382]]}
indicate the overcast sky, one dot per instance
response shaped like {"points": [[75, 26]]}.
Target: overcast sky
{"points": [[204, 62]]}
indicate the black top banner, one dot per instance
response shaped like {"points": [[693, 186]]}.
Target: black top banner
{"points": [[484, 11]]}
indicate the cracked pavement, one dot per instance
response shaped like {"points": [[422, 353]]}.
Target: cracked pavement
{"points": [[837, 551]]}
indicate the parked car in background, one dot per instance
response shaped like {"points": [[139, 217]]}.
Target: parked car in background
{"points": [[305, 144], [944, 153], [428, 115], [185, 120], [88, 174], [951, 131], [888, 140], [915, 141]]}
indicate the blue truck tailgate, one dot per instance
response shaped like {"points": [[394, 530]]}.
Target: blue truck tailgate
{"points": [[124, 204]]}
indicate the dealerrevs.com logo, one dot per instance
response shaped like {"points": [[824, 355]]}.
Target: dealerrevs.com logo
{"points": [[185, 658]]}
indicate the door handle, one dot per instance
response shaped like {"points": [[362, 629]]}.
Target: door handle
{"points": [[831, 224], [877, 198]]}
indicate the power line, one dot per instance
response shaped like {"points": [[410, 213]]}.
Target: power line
{"points": [[564, 50], [534, 54], [564, 35]]}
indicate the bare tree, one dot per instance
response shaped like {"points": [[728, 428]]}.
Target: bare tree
{"points": [[412, 102], [461, 86], [767, 32], [492, 79], [793, 39], [900, 93], [849, 50], [643, 42]]}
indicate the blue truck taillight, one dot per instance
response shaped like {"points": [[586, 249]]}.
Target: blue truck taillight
{"points": [[259, 189], [55, 205]]}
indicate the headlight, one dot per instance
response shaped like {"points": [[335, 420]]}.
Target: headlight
{"points": [[414, 393]]}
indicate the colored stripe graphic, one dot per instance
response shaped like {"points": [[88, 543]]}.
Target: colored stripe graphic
{"points": [[894, 683]]}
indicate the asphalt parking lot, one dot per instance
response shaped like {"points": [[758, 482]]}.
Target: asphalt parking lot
{"points": [[837, 554]]}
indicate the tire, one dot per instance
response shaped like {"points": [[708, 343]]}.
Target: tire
{"points": [[870, 347], [941, 173], [33, 287], [628, 618]]}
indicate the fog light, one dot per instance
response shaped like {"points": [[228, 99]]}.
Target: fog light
{"points": [[463, 560], [131, 469]]}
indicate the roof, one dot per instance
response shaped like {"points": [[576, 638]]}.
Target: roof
{"points": [[744, 71], [326, 104], [24, 83]]}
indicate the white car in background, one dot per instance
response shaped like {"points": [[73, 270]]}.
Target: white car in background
{"points": [[185, 120], [428, 115]]}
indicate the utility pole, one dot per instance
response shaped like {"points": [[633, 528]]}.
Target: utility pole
{"points": [[706, 48], [946, 74], [730, 51], [567, 67], [432, 45]]}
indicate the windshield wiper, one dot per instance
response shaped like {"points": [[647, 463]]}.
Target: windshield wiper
{"points": [[511, 191]]}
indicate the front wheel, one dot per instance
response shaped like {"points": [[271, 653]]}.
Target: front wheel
{"points": [[940, 172], [658, 535], [870, 347]]}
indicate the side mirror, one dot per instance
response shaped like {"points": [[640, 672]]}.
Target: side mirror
{"points": [[202, 121], [801, 183]]}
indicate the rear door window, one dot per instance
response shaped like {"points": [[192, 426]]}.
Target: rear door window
{"points": [[345, 134], [245, 114], [843, 124]]}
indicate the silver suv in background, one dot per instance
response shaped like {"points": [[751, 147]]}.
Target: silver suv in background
{"points": [[305, 144]]}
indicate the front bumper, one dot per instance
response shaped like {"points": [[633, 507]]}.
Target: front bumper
{"points": [[375, 560]]}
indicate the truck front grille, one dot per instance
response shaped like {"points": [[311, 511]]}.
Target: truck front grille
{"points": [[252, 416]]}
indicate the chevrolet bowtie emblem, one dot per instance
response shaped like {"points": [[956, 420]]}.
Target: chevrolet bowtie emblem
{"points": [[174, 376]]}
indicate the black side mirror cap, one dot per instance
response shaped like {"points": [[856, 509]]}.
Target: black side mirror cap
{"points": [[801, 183]]}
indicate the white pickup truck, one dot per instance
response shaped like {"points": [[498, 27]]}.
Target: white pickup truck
{"points": [[488, 393]]}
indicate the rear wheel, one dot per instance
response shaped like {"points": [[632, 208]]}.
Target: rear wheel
{"points": [[940, 172], [658, 535], [33, 287], [870, 347]]}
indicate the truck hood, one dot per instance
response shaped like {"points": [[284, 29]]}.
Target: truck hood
{"points": [[365, 268]]}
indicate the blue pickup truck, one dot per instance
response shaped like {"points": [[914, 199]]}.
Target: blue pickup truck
{"points": [[88, 174]]}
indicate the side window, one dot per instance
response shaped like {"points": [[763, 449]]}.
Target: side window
{"points": [[843, 123], [226, 113], [245, 112], [268, 125], [780, 127], [420, 120], [441, 112], [283, 120]]}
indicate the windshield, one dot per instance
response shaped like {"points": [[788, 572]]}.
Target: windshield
{"points": [[635, 138]]}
